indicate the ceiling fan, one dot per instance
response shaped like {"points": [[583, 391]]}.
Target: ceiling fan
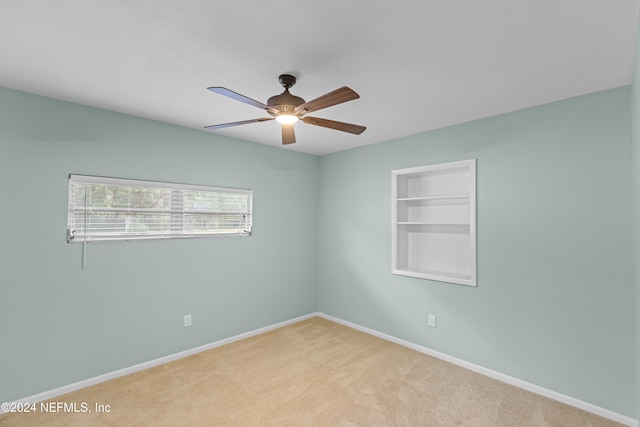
{"points": [[288, 109]]}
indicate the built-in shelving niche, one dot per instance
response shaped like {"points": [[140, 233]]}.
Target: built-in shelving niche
{"points": [[434, 222]]}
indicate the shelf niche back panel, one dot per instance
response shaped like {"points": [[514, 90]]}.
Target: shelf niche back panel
{"points": [[452, 210], [443, 182], [433, 222]]}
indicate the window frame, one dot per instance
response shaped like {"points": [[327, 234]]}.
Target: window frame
{"points": [[173, 212]]}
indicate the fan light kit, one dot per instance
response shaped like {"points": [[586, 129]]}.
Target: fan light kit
{"points": [[288, 109], [287, 119]]}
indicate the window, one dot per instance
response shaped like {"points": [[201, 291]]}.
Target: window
{"points": [[123, 209]]}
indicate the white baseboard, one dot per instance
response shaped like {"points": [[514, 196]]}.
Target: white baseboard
{"points": [[605, 413], [122, 372]]}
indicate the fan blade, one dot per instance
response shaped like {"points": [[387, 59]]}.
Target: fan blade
{"points": [[288, 134], [331, 124], [244, 122], [330, 99], [238, 97]]}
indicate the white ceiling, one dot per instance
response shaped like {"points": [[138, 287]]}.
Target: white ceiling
{"points": [[417, 65]]}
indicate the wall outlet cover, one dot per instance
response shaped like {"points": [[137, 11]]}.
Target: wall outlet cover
{"points": [[432, 320]]}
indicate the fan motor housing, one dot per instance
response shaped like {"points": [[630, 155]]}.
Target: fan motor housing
{"points": [[285, 103]]}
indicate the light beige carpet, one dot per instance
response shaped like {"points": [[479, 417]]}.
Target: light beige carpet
{"points": [[312, 373]]}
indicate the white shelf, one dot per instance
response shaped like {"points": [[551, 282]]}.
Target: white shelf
{"points": [[433, 222], [456, 196], [442, 276]]}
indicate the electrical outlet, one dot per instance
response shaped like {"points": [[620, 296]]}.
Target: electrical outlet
{"points": [[187, 320], [432, 320]]}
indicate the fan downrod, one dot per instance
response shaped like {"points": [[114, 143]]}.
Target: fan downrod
{"points": [[287, 80]]}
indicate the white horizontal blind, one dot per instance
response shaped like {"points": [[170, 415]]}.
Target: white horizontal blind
{"points": [[122, 209]]}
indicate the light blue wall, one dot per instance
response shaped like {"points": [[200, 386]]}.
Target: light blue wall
{"points": [[554, 302], [635, 131], [61, 324]]}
